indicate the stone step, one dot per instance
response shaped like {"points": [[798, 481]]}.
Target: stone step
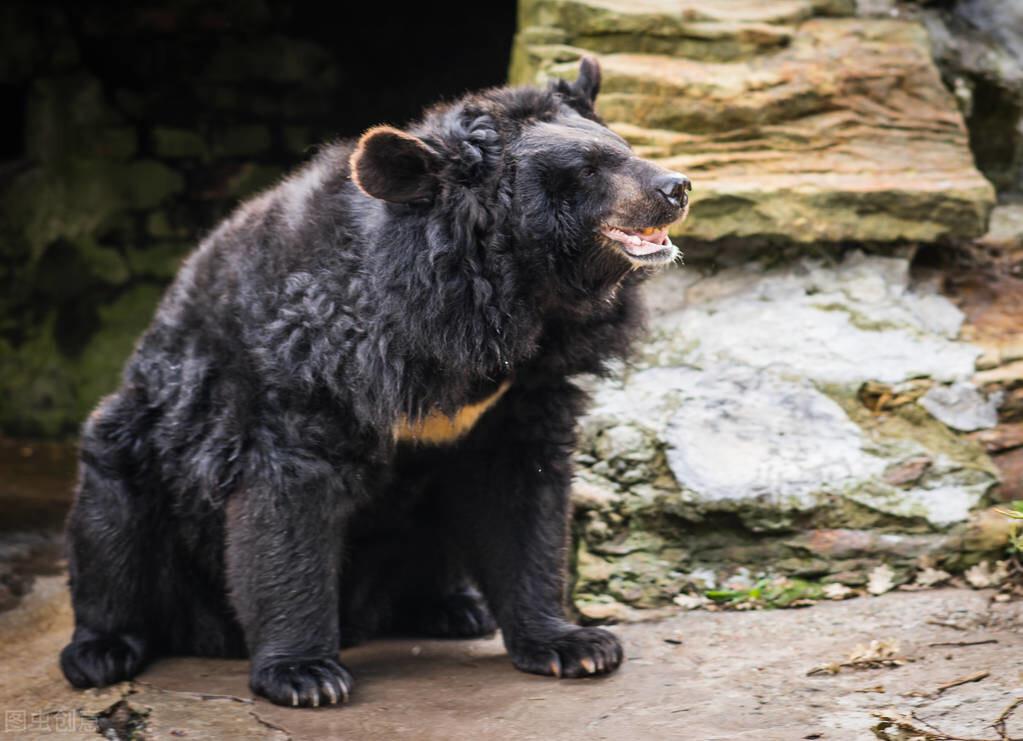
{"points": [[816, 129]]}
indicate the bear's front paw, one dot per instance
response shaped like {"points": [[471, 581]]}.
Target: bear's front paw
{"points": [[579, 652], [306, 683], [102, 660]]}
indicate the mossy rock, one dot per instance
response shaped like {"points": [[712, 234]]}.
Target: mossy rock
{"points": [[95, 372], [70, 268], [160, 260], [240, 141], [47, 392], [272, 59], [36, 391], [171, 142]]}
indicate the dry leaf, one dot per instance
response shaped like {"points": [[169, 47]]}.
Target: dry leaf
{"points": [[877, 654], [875, 651], [690, 601], [837, 591], [983, 575], [928, 577], [881, 580]]}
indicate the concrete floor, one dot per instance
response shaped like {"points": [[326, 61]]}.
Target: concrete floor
{"points": [[699, 676]]}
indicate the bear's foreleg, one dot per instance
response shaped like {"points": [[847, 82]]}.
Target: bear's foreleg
{"points": [[283, 562], [512, 494], [110, 534]]}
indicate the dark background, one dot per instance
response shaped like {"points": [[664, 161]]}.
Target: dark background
{"points": [[129, 130]]}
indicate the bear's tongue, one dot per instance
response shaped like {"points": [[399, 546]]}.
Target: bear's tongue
{"points": [[638, 241]]}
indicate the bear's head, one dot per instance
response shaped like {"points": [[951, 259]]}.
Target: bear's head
{"points": [[531, 172]]}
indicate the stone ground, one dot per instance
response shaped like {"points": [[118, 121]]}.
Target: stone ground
{"points": [[695, 675], [699, 675]]}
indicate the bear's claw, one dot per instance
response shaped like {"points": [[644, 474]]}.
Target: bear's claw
{"points": [[103, 660], [302, 682], [579, 652]]}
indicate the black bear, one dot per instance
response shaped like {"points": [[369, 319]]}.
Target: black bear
{"points": [[353, 412]]}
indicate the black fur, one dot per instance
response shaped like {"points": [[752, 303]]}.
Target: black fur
{"points": [[242, 492]]}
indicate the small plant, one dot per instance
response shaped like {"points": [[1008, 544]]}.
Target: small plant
{"points": [[1015, 513], [768, 592], [1015, 560]]}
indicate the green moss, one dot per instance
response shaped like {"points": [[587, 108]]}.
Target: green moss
{"points": [[161, 225], [776, 592], [160, 260], [96, 370], [144, 184], [96, 263], [240, 141], [272, 59], [858, 320], [45, 392], [170, 142], [115, 142], [62, 113], [251, 178], [36, 389], [76, 198]]}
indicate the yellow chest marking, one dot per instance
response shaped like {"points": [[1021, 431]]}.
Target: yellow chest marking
{"points": [[437, 428]]}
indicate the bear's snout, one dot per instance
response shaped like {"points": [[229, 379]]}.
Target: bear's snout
{"points": [[674, 187]]}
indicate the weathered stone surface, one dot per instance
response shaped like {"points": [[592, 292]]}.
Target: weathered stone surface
{"points": [[843, 325], [739, 439], [979, 48], [962, 407], [679, 675], [793, 128], [992, 297]]}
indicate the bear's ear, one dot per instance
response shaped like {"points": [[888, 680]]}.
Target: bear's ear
{"points": [[394, 166], [587, 84]]}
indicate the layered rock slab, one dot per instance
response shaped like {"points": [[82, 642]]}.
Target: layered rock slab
{"points": [[781, 421], [794, 128]]}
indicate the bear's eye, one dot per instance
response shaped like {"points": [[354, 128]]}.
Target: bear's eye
{"points": [[589, 171]]}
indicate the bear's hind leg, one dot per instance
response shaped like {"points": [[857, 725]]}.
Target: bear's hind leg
{"points": [[409, 579], [461, 613], [110, 540]]}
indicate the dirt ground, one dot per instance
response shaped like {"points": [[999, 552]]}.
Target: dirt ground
{"points": [[699, 675]]}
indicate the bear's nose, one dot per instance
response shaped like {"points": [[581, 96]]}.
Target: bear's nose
{"points": [[673, 186]]}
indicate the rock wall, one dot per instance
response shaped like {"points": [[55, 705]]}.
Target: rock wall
{"points": [[978, 46], [804, 412], [807, 420], [794, 127], [130, 131]]}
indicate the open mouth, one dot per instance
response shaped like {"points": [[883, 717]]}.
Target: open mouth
{"points": [[646, 246]]}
